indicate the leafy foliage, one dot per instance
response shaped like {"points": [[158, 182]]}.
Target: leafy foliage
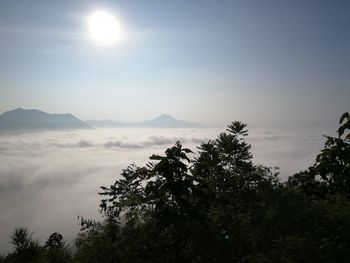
{"points": [[221, 207], [28, 250], [331, 172], [214, 206], [57, 250]]}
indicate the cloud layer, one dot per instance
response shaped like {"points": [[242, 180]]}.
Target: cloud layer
{"points": [[47, 179]]}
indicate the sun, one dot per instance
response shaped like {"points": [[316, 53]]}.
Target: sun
{"points": [[104, 28]]}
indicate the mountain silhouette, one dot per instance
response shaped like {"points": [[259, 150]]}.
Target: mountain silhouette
{"points": [[162, 121], [24, 120], [168, 121]]}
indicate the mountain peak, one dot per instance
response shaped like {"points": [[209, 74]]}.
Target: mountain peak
{"points": [[165, 117], [19, 109], [167, 121]]}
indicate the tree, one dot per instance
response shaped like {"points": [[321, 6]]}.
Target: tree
{"points": [[327, 186], [27, 249], [178, 209], [97, 242], [331, 172], [57, 251], [221, 207]]}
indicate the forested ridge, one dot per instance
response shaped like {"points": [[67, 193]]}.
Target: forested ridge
{"points": [[215, 206]]}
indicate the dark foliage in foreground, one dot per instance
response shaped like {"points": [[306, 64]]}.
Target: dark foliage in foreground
{"points": [[27, 249], [217, 207]]}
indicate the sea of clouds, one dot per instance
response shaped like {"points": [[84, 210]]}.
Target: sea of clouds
{"points": [[48, 179]]}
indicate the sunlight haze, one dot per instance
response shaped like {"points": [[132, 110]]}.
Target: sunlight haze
{"points": [[271, 61], [104, 28]]}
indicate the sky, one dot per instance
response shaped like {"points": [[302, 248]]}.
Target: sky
{"points": [[206, 61]]}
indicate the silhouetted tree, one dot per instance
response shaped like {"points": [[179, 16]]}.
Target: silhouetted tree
{"points": [[331, 172], [57, 250], [179, 209], [26, 248]]}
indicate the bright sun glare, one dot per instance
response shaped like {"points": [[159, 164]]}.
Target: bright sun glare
{"points": [[104, 28]]}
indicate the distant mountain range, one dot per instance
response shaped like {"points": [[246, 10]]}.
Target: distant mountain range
{"points": [[32, 120], [162, 121]]}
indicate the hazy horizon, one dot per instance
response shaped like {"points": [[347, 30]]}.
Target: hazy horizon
{"points": [[325, 124]]}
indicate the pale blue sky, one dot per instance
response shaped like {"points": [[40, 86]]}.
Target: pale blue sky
{"points": [[207, 61]]}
